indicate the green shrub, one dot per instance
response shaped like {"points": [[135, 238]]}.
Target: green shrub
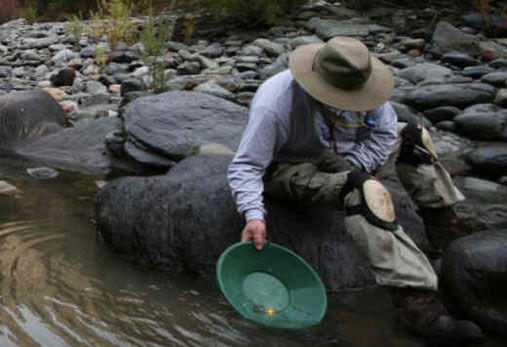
{"points": [[29, 11], [154, 37], [76, 26], [245, 11]]}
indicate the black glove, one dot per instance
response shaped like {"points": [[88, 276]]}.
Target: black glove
{"points": [[413, 150], [333, 163]]}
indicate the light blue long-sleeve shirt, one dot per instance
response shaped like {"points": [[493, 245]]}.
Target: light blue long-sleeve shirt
{"points": [[286, 126]]}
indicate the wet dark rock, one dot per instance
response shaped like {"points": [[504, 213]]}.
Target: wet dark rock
{"points": [[115, 141], [189, 68], [446, 125], [458, 95], [476, 71], [42, 173], [447, 39], [174, 125], [490, 159], [132, 85], [124, 57], [183, 221], [131, 96], [495, 24], [442, 113], [473, 278], [27, 116], [406, 114], [64, 77], [487, 126], [82, 149], [459, 59], [107, 80], [498, 64]]}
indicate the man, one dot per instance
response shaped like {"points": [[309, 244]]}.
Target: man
{"points": [[316, 134]]}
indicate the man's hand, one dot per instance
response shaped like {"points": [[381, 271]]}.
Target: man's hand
{"points": [[255, 230], [333, 163]]}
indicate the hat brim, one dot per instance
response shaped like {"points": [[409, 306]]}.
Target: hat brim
{"points": [[374, 93]]}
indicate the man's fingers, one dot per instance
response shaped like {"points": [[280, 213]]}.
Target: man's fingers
{"points": [[258, 240], [246, 236]]}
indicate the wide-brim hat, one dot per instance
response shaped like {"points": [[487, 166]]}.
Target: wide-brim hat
{"points": [[342, 74]]}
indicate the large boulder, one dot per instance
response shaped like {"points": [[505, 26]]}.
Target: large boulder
{"points": [[168, 127], [474, 278], [491, 159], [448, 38], [459, 95], [82, 149], [483, 123], [183, 221], [26, 116]]}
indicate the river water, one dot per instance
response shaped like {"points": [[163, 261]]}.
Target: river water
{"points": [[60, 286]]}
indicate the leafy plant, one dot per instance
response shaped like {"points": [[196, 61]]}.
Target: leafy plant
{"points": [[154, 37], [30, 11], [75, 26], [101, 57]]}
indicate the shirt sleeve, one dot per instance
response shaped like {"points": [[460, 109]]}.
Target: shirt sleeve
{"points": [[263, 136], [371, 153]]}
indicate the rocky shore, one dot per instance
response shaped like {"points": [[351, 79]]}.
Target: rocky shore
{"points": [[102, 119]]}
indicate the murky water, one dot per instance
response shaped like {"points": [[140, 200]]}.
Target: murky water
{"points": [[60, 286]]}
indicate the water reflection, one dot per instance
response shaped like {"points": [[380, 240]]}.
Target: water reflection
{"points": [[59, 286]]}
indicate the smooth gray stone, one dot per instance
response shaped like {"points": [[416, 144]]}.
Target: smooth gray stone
{"points": [[212, 88], [271, 48], [26, 116], [304, 40], [458, 95], [495, 78], [446, 38], [442, 113], [483, 126], [476, 71], [174, 124], [419, 73], [459, 59], [490, 159], [81, 149]]}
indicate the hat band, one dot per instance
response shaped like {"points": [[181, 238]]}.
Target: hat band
{"points": [[347, 81]]}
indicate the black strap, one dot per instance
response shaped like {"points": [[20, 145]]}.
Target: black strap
{"points": [[356, 179]]}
